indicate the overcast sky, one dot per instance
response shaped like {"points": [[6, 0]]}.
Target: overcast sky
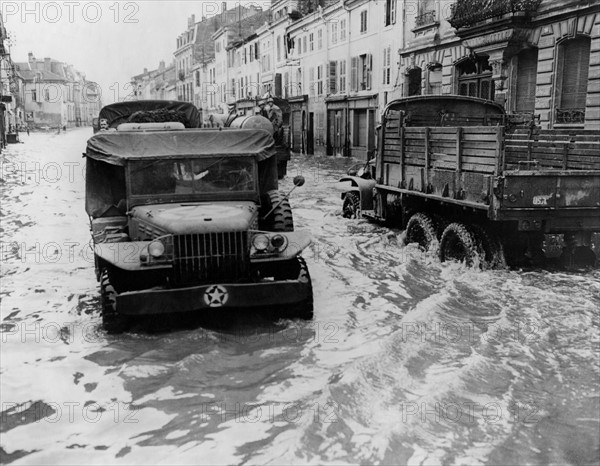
{"points": [[107, 40]]}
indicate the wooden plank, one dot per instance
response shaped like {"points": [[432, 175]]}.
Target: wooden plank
{"points": [[458, 156], [427, 159], [490, 153], [402, 157], [499, 149]]}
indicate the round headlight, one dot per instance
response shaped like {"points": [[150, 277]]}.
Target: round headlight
{"points": [[279, 242], [156, 249], [260, 242]]}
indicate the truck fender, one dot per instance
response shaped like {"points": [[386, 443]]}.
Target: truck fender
{"points": [[124, 255], [363, 187]]}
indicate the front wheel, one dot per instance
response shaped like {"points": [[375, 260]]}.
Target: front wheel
{"points": [[304, 309], [460, 243], [351, 206], [112, 321]]}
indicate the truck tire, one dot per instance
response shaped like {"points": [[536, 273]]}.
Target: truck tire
{"points": [[461, 244], [351, 206], [112, 321], [281, 218], [305, 309], [421, 229], [491, 247]]}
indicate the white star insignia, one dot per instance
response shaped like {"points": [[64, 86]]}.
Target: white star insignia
{"points": [[216, 296]]}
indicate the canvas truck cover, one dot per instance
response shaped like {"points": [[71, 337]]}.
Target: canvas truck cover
{"points": [[120, 112], [447, 110], [117, 147]]}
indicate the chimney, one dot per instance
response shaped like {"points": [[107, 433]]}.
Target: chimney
{"points": [[31, 58], [47, 64], [161, 66], [223, 7], [145, 70]]}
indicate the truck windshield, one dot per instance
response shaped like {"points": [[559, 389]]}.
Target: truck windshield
{"points": [[191, 176]]}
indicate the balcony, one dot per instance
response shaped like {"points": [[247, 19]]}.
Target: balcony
{"points": [[470, 13]]}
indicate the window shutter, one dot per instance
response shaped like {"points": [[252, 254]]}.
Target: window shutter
{"points": [[354, 75], [278, 85], [393, 11], [332, 77], [526, 80], [576, 64], [369, 70]]}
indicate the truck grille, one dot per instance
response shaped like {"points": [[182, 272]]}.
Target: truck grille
{"points": [[211, 257]]}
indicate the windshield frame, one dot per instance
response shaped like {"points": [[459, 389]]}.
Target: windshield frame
{"points": [[133, 198]]}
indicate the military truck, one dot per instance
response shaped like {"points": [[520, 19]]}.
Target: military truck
{"points": [[191, 220], [459, 177]]}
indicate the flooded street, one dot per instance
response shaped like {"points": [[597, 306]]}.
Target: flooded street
{"points": [[407, 360]]}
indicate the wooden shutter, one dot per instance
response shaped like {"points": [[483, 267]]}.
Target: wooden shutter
{"points": [[369, 70], [278, 85], [332, 77], [526, 80], [576, 64], [354, 75], [393, 11]]}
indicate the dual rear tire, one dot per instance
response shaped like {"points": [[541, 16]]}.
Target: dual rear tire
{"points": [[471, 244]]}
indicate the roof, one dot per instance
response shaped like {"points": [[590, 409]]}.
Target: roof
{"points": [[117, 148], [119, 112], [24, 70]]}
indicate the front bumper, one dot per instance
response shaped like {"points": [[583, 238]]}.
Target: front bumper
{"points": [[214, 297]]}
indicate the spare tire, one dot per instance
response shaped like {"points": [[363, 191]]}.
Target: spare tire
{"points": [[280, 219]]}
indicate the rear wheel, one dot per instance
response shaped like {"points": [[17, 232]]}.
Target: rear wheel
{"points": [[351, 206], [491, 246], [112, 321], [421, 229], [460, 243], [281, 218]]}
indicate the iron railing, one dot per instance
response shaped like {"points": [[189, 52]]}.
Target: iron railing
{"points": [[425, 18], [570, 115], [467, 13]]}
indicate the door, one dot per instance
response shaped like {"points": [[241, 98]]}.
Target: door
{"points": [[310, 133]]}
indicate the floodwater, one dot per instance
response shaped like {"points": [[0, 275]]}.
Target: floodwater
{"points": [[407, 361]]}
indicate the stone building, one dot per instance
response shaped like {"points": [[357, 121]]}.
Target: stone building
{"points": [[539, 58], [156, 84]]}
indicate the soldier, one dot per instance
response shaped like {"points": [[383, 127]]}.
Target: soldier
{"points": [[275, 116]]}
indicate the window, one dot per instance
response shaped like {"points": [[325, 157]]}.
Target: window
{"points": [[343, 29], [475, 77], [320, 39], [304, 43], [311, 78], [320, 80], [363, 21], [311, 41], [299, 46], [434, 79], [526, 80], [573, 71], [414, 81], [387, 65], [332, 77], [360, 79], [390, 12], [198, 78], [334, 32], [278, 48], [342, 66], [426, 13]]}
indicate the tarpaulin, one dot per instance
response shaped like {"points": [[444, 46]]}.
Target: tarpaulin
{"points": [[119, 112], [117, 147]]}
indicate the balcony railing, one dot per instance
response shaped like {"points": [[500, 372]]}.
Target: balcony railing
{"points": [[467, 13], [570, 115], [425, 18]]}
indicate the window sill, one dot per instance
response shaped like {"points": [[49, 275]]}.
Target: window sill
{"points": [[424, 27]]}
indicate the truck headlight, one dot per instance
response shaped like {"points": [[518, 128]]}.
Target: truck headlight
{"points": [[260, 242], [279, 242], [156, 249]]}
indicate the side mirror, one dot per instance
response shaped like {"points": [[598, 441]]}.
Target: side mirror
{"points": [[299, 180], [352, 172]]}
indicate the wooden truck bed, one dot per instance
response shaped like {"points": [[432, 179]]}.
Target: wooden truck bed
{"points": [[467, 165]]}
